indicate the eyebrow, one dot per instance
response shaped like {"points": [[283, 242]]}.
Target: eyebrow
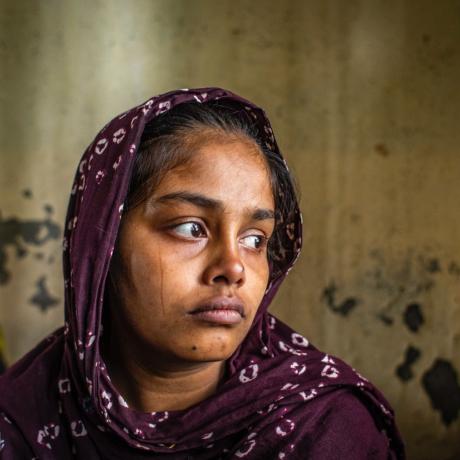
{"points": [[202, 201]]}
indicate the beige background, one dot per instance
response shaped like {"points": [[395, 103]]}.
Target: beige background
{"points": [[364, 97]]}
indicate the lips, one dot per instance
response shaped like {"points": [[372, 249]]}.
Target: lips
{"points": [[220, 311]]}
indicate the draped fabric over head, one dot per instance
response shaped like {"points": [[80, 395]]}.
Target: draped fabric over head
{"points": [[279, 391]]}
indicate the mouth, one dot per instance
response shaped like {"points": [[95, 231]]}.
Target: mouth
{"points": [[220, 310]]}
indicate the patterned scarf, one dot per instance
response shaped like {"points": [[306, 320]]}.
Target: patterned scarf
{"points": [[281, 398]]}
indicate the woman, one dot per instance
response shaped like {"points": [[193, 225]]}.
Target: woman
{"points": [[181, 226]]}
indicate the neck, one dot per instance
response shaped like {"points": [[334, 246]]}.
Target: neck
{"points": [[163, 385]]}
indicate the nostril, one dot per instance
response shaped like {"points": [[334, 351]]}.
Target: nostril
{"points": [[220, 279]]}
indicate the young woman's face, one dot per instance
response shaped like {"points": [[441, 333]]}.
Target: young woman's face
{"points": [[193, 264]]}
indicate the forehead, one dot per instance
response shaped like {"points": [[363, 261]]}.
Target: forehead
{"points": [[232, 170]]}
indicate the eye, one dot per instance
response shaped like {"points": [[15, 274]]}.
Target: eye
{"points": [[255, 241], [190, 230]]}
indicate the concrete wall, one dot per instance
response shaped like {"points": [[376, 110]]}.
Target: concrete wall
{"points": [[364, 98]]}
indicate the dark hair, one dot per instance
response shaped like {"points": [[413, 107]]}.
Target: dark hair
{"points": [[161, 149]]}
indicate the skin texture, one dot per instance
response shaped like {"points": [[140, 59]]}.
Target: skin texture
{"points": [[201, 235]]}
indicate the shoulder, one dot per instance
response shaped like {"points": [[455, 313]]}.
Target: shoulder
{"points": [[27, 380], [339, 415], [343, 425], [49, 348], [26, 396], [346, 410]]}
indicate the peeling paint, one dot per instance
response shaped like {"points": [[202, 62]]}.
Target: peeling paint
{"points": [[42, 298], [441, 384], [396, 288], [413, 317], [342, 308], [404, 370], [18, 232]]}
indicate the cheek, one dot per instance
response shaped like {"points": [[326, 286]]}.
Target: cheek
{"points": [[257, 281], [158, 278]]}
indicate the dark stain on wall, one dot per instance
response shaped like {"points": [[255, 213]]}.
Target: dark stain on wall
{"points": [[387, 320], [426, 39], [433, 266], [404, 370], [381, 149], [42, 298], [342, 308], [423, 286], [48, 209], [413, 317], [17, 233], [393, 285], [236, 31], [27, 193], [441, 384], [454, 269]]}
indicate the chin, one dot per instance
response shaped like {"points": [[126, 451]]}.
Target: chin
{"points": [[211, 351], [209, 358]]}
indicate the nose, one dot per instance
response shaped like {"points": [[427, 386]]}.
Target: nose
{"points": [[225, 265]]}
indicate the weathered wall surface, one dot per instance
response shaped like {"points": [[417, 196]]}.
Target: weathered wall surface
{"points": [[365, 101]]}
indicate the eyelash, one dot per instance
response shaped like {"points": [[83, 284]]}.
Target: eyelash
{"points": [[263, 240]]}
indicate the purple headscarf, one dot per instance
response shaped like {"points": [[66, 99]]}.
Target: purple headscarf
{"points": [[281, 398]]}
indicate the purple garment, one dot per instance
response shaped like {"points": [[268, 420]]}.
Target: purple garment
{"points": [[281, 398]]}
